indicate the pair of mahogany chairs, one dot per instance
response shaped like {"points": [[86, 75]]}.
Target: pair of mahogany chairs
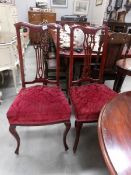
{"points": [[41, 100]]}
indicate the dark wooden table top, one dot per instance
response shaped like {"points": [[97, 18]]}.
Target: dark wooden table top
{"points": [[114, 132]]}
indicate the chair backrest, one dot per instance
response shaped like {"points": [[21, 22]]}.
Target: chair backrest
{"points": [[8, 55], [116, 43], [88, 41], [39, 54]]}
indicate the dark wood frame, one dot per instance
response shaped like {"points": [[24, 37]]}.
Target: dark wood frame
{"points": [[121, 16], [99, 2], [61, 6], [118, 4]]}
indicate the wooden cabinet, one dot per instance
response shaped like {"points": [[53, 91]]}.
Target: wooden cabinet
{"points": [[50, 17], [37, 17]]}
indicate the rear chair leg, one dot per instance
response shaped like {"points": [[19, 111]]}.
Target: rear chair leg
{"points": [[68, 125], [78, 126], [13, 131]]}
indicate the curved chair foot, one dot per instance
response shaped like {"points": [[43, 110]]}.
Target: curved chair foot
{"points": [[68, 125], [12, 130], [78, 126]]}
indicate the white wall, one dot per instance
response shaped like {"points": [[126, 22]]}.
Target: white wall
{"points": [[95, 13], [23, 7]]}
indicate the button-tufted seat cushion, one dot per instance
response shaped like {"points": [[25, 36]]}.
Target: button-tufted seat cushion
{"points": [[39, 105], [88, 100]]}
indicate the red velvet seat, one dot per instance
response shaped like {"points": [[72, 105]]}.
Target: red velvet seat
{"points": [[89, 99], [43, 103], [87, 93], [30, 108]]}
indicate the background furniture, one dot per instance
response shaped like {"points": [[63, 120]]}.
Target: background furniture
{"points": [[8, 53], [118, 26], [8, 17], [117, 42], [64, 22], [114, 132], [74, 18], [86, 91], [35, 104], [123, 69], [9, 59], [38, 17]]}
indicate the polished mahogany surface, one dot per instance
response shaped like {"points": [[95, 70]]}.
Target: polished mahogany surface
{"points": [[114, 131]]}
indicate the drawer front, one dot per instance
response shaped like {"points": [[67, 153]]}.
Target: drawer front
{"points": [[50, 17], [35, 17]]}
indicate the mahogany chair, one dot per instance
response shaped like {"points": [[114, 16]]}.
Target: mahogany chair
{"points": [[40, 101], [87, 93], [123, 68], [117, 42]]}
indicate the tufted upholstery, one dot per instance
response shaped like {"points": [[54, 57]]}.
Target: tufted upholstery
{"points": [[89, 99], [39, 105]]}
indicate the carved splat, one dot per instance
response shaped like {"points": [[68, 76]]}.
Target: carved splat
{"points": [[41, 46], [92, 43], [88, 45]]}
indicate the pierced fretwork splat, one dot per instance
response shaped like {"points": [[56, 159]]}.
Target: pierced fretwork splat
{"points": [[88, 45], [41, 47]]}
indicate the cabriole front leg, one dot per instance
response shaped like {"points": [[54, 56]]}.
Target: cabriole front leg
{"points": [[13, 131], [68, 125], [78, 126]]}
